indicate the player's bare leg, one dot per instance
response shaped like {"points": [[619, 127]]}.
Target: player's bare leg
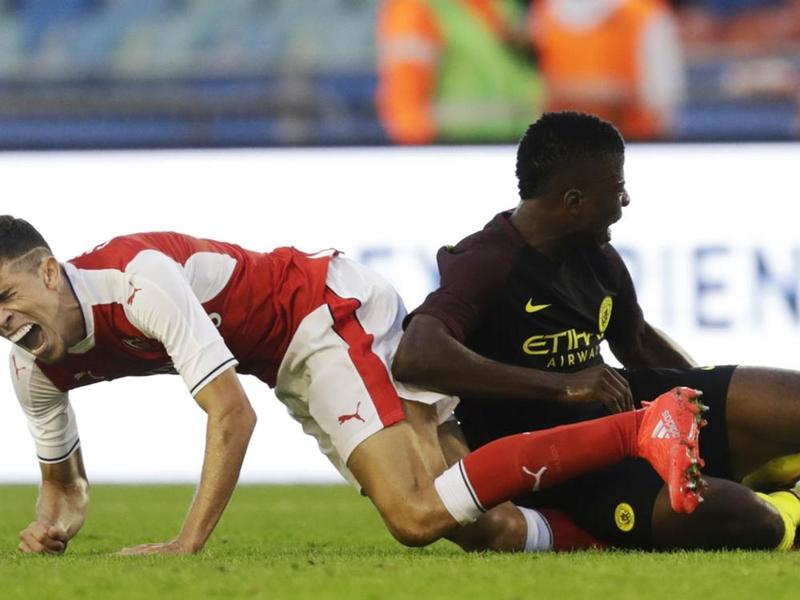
{"points": [[731, 516], [502, 529], [763, 425], [391, 467], [506, 528], [763, 417]]}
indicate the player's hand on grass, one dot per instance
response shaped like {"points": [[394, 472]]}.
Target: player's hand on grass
{"points": [[40, 538], [173, 547], [598, 384]]}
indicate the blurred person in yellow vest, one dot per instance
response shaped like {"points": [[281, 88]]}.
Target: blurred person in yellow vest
{"points": [[455, 70], [619, 59]]}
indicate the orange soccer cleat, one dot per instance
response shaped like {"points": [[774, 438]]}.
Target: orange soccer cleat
{"points": [[669, 440]]}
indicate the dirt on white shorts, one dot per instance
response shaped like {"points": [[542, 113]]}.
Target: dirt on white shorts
{"points": [[335, 377]]}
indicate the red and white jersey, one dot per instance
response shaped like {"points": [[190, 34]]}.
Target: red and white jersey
{"points": [[167, 302]]}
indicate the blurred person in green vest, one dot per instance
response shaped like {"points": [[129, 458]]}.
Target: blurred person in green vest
{"points": [[455, 71]]}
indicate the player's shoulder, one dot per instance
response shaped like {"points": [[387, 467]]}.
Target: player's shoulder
{"points": [[607, 262], [110, 272], [611, 255], [140, 253], [496, 242], [119, 251]]}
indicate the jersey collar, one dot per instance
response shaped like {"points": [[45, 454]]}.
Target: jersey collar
{"points": [[83, 295]]}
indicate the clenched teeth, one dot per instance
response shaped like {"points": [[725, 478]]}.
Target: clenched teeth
{"points": [[21, 333]]}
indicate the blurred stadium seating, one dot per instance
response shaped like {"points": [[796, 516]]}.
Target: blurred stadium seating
{"points": [[120, 73], [131, 73], [744, 69]]}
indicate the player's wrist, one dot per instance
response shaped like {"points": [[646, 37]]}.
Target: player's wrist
{"points": [[188, 544], [551, 386]]}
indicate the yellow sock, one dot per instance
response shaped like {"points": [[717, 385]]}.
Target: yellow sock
{"points": [[781, 470], [788, 506]]}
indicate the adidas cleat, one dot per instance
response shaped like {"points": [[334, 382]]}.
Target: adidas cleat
{"points": [[669, 440]]}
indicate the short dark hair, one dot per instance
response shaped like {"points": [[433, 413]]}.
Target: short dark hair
{"points": [[18, 237], [558, 141]]}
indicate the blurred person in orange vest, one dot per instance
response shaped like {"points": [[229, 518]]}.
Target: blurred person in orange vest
{"points": [[455, 70], [618, 59]]}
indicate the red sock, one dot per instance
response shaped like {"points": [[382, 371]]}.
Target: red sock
{"points": [[511, 466], [567, 536]]}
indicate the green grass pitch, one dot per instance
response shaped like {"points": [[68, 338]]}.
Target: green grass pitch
{"points": [[320, 542]]}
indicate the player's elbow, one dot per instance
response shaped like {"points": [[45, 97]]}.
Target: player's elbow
{"points": [[424, 354], [413, 360], [249, 419], [414, 366], [240, 420], [404, 365]]}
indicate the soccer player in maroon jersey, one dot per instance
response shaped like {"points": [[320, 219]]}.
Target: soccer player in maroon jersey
{"points": [[515, 330], [322, 330]]}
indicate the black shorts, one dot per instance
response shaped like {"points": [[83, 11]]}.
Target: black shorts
{"points": [[616, 505]]}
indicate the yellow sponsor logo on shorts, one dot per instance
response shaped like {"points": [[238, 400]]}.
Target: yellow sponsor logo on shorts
{"points": [[624, 516]]}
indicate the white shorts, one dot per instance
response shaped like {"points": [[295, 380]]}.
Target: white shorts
{"points": [[335, 378]]}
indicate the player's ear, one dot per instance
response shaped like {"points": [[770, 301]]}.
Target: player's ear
{"points": [[573, 200], [51, 272]]}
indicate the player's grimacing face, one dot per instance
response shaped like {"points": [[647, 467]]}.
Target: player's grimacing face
{"points": [[30, 310], [607, 197]]}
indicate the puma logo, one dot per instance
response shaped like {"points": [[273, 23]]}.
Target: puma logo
{"points": [[89, 374], [537, 476], [16, 368], [355, 415], [133, 294]]}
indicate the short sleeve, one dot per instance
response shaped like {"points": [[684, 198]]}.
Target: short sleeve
{"points": [[470, 279], [165, 308], [51, 420]]}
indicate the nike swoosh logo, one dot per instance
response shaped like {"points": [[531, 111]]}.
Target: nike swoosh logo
{"points": [[532, 308]]}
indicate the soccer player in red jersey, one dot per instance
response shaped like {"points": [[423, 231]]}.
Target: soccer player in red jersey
{"points": [[322, 330], [515, 330]]}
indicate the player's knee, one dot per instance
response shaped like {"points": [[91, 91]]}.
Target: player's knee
{"points": [[760, 528], [769, 529], [413, 525], [413, 533], [499, 529]]}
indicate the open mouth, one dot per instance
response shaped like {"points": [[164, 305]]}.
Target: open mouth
{"points": [[29, 336]]}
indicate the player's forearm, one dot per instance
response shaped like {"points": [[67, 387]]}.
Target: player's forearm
{"points": [[227, 438], [430, 358], [63, 505], [475, 376], [655, 349]]}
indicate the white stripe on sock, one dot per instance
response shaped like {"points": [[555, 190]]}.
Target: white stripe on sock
{"points": [[540, 536], [456, 496]]}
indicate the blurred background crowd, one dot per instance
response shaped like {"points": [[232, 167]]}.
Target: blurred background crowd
{"points": [[177, 73]]}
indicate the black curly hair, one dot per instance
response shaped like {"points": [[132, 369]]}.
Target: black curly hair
{"points": [[558, 141]]}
